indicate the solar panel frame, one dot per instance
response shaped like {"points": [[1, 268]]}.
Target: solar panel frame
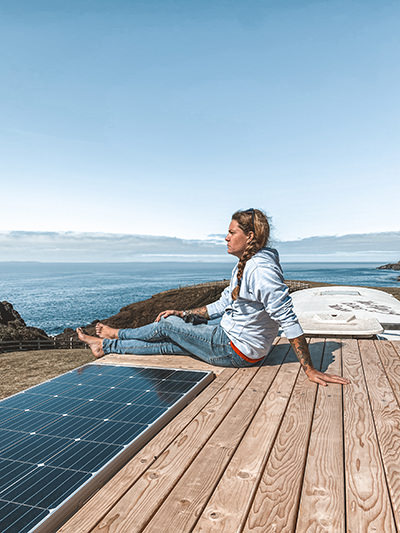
{"points": [[78, 497]]}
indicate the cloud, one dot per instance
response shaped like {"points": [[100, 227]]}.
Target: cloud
{"points": [[109, 247], [352, 243], [73, 246]]}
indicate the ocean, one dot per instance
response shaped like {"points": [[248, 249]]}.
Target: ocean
{"points": [[54, 296]]}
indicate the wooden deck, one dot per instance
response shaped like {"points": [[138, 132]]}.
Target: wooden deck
{"points": [[265, 450]]}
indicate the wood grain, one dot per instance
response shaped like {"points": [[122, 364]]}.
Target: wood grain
{"points": [[386, 414], [322, 498], [367, 500], [274, 508], [391, 362]]}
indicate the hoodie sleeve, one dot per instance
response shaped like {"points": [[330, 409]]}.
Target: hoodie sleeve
{"points": [[217, 309], [268, 285]]}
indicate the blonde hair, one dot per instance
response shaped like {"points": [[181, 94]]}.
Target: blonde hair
{"points": [[256, 221]]}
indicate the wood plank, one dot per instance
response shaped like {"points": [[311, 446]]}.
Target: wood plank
{"points": [[90, 514], [322, 498], [367, 499], [167, 361], [391, 363], [386, 414], [275, 504], [396, 346], [184, 504], [227, 509], [138, 505], [163, 361]]}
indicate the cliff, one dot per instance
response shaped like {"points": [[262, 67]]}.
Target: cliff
{"points": [[13, 327]]}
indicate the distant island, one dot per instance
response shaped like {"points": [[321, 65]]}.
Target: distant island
{"points": [[390, 266]]}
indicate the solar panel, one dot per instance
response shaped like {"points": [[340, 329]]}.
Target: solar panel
{"points": [[60, 440]]}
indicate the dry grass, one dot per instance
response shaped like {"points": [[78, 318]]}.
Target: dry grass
{"points": [[20, 370]]}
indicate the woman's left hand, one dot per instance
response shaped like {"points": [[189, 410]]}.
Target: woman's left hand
{"points": [[323, 379]]}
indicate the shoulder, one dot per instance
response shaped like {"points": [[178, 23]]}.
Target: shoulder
{"points": [[266, 258], [263, 268]]}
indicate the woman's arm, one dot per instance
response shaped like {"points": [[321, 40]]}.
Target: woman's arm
{"points": [[217, 308], [201, 311], [300, 348]]}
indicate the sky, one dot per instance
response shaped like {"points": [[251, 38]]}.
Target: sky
{"points": [[164, 117]]}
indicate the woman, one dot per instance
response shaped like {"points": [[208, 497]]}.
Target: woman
{"points": [[252, 308]]}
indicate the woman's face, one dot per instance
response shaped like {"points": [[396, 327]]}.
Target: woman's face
{"points": [[236, 239]]}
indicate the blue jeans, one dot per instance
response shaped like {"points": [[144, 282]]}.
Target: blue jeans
{"points": [[173, 336]]}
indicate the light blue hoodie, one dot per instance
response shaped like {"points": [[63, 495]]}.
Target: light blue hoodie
{"points": [[252, 321]]}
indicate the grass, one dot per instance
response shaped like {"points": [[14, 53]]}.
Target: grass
{"points": [[21, 370]]}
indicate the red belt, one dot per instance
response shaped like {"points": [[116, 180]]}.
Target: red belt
{"points": [[240, 354]]}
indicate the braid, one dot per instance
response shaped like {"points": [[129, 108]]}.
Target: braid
{"points": [[256, 222], [250, 250]]}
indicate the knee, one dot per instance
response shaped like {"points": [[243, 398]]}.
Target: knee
{"points": [[166, 323], [170, 320]]}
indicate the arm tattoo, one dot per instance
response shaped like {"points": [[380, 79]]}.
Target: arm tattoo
{"points": [[300, 348], [202, 311]]}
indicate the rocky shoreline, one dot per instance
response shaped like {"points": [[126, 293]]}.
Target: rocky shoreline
{"points": [[13, 327], [390, 266]]}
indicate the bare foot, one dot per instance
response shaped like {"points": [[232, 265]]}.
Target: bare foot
{"points": [[95, 344], [106, 332]]}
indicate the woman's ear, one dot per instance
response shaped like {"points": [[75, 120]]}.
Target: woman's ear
{"points": [[250, 236]]}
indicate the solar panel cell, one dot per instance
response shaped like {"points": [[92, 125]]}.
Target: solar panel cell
{"points": [[35, 448], [84, 456], [97, 409], [138, 414], [19, 518], [11, 472], [122, 396], [115, 432], [59, 405], [84, 392], [10, 438], [23, 400], [6, 414], [28, 421], [158, 399], [45, 487], [50, 388], [74, 427]]}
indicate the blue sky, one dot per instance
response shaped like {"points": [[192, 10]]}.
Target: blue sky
{"points": [[164, 117]]}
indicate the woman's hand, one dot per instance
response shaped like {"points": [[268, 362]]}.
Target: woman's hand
{"points": [[323, 379], [168, 312]]}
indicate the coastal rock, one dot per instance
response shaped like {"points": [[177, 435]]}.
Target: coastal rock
{"points": [[390, 266], [13, 327], [9, 316]]}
